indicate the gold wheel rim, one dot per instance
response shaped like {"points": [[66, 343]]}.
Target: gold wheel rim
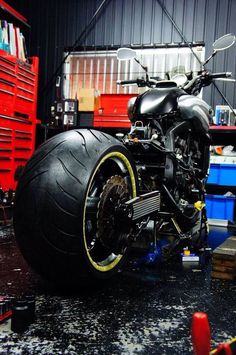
{"points": [[117, 258]]}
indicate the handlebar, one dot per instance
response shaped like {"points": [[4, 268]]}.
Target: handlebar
{"points": [[193, 86], [220, 75], [126, 82], [140, 82], [204, 78]]}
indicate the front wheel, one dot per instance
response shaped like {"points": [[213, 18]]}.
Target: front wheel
{"points": [[66, 202]]}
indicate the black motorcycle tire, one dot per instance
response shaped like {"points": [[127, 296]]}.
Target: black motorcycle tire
{"points": [[52, 198]]}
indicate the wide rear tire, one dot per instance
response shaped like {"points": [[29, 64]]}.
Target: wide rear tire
{"points": [[57, 202]]}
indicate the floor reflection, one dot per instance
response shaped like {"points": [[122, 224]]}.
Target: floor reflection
{"points": [[143, 310]]}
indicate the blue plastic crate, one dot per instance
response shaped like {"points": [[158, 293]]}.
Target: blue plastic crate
{"points": [[220, 207], [222, 174]]}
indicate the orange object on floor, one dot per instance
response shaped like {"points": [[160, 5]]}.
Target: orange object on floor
{"points": [[201, 334], [201, 338]]}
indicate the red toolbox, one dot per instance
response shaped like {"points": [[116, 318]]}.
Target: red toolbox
{"points": [[18, 103], [112, 111]]}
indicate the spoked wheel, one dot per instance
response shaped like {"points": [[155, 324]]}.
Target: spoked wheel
{"points": [[66, 202]]}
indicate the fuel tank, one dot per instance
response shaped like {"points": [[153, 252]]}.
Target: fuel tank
{"points": [[156, 101], [163, 100], [195, 109]]}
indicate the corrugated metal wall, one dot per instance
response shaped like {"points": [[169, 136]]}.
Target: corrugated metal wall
{"points": [[100, 70], [58, 23]]}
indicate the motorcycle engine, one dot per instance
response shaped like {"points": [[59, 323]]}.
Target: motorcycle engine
{"points": [[187, 184]]}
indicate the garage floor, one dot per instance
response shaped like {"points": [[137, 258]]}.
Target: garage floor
{"points": [[141, 311]]}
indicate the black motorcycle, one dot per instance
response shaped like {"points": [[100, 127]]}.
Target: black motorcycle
{"points": [[85, 197]]}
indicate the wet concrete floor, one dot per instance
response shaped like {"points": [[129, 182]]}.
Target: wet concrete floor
{"points": [[145, 310]]}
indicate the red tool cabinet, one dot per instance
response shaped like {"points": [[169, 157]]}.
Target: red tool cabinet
{"points": [[18, 103], [112, 111]]}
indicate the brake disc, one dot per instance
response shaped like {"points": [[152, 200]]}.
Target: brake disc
{"points": [[114, 192]]}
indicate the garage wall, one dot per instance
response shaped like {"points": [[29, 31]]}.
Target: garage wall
{"points": [[56, 24]]}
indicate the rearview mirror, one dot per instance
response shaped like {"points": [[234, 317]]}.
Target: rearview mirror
{"points": [[224, 42], [125, 54]]}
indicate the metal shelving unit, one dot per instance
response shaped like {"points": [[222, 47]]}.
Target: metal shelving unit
{"points": [[222, 135]]}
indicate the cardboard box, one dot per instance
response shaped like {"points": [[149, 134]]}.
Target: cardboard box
{"points": [[224, 260], [88, 99]]}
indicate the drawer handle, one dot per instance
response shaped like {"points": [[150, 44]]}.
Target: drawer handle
{"points": [[24, 98], [7, 92]]}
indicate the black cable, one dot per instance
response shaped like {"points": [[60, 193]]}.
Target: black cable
{"points": [[185, 41], [76, 43], [178, 29]]}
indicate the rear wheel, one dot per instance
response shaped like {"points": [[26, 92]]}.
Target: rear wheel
{"points": [[65, 205]]}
